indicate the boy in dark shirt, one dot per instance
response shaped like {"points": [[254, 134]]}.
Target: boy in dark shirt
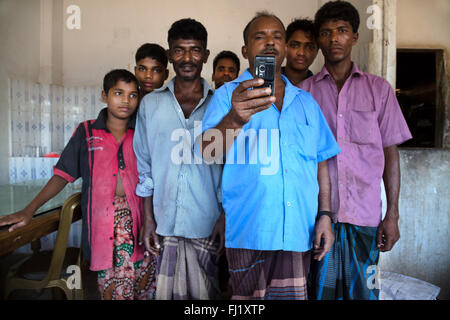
{"points": [[101, 153]]}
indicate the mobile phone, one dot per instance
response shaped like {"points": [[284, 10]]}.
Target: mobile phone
{"points": [[265, 69]]}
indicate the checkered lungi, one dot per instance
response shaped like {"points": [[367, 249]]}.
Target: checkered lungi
{"points": [[347, 272], [187, 269]]}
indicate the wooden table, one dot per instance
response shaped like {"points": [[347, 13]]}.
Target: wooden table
{"points": [[15, 197]]}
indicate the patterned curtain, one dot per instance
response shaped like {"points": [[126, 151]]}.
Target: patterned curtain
{"points": [[43, 118]]}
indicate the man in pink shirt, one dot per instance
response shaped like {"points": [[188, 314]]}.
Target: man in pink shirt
{"points": [[366, 119]]}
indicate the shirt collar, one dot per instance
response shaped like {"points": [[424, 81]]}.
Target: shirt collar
{"points": [[324, 72], [100, 122], [308, 75], [246, 75], [171, 86]]}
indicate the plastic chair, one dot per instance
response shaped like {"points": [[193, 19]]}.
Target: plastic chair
{"points": [[24, 275]]}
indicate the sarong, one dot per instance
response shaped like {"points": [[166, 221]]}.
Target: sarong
{"points": [[187, 270], [126, 280], [348, 271], [268, 275]]}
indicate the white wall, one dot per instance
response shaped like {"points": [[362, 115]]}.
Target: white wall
{"points": [[19, 58], [422, 251], [111, 31]]}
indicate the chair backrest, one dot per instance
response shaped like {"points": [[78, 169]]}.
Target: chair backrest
{"points": [[71, 205]]}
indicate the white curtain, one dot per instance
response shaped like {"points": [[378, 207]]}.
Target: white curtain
{"points": [[43, 118]]}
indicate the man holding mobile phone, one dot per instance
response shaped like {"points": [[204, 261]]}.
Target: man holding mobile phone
{"points": [[270, 198]]}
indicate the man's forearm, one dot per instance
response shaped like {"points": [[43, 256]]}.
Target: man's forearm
{"points": [[216, 142], [391, 179], [324, 186], [148, 208]]}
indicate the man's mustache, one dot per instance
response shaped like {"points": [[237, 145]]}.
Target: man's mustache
{"points": [[187, 64], [271, 51]]}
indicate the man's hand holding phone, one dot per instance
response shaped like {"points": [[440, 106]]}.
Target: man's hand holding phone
{"points": [[250, 97], [245, 102]]}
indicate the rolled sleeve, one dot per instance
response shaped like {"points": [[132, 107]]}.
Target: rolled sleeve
{"points": [[145, 186]]}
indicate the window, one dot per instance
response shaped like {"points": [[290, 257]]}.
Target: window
{"points": [[420, 94]]}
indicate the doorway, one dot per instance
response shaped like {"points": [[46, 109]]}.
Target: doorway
{"points": [[420, 95]]}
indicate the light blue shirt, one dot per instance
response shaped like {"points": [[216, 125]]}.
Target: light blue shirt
{"points": [[269, 182], [186, 191]]}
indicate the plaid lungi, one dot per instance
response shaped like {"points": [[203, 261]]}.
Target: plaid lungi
{"points": [[348, 271], [268, 275], [187, 269]]}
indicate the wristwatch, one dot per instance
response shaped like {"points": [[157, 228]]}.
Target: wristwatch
{"points": [[325, 213]]}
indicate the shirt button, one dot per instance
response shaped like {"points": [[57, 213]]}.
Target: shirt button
{"points": [[284, 143], [288, 204], [340, 115]]}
